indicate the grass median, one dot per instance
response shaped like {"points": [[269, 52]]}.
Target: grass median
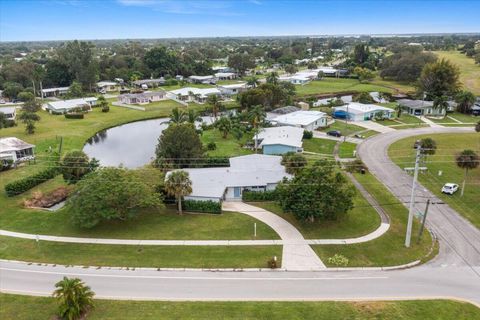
{"points": [[25, 307]]}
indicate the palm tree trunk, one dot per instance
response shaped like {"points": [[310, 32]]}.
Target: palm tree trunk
{"points": [[463, 184], [180, 205]]}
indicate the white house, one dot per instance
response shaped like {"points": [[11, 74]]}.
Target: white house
{"points": [[308, 120], [15, 150], [149, 83], [254, 172], [107, 86], [191, 94], [295, 79], [142, 98], [280, 140], [231, 89], [53, 92], [202, 79], [225, 75], [222, 69], [419, 107], [9, 112], [65, 106], [355, 111]]}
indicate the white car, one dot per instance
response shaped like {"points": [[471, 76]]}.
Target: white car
{"points": [[450, 188]]}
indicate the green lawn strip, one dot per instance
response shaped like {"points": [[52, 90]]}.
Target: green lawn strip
{"points": [[466, 118], [345, 129], [360, 221], [469, 71], [369, 133], [410, 126], [28, 308], [164, 224], [336, 85], [346, 149], [138, 256], [317, 145], [395, 85], [389, 249], [448, 146], [229, 147], [458, 125]]}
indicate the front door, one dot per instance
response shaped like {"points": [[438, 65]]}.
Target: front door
{"points": [[237, 192]]}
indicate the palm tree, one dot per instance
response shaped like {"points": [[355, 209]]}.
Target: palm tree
{"points": [[272, 78], [177, 116], [477, 127], [256, 116], [465, 100], [320, 75], [399, 110], [178, 184], [215, 103], [192, 116], [467, 160], [224, 125], [253, 81], [74, 297], [440, 103]]}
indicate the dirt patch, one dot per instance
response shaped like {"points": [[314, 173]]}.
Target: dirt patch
{"points": [[40, 200]]}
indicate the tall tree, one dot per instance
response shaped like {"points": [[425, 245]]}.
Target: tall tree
{"points": [[467, 160], [224, 125], [177, 116], [294, 162], [253, 81], [79, 57], [74, 298], [178, 184], [241, 62], [440, 78], [29, 119], [76, 164], [272, 77], [215, 104], [465, 100]]}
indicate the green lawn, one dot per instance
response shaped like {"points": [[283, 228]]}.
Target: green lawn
{"points": [[162, 106], [346, 149], [228, 147], [469, 71], [138, 256], [323, 146], [448, 146], [360, 221], [28, 308], [389, 249], [344, 128], [334, 85], [469, 120]]}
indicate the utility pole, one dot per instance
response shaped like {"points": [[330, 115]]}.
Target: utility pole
{"points": [[412, 198], [424, 218]]}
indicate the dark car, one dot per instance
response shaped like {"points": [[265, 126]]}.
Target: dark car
{"points": [[334, 133]]}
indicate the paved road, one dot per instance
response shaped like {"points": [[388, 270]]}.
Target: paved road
{"points": [[454, 273]]}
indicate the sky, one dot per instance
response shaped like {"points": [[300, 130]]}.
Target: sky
{"points": [[24, 20]]}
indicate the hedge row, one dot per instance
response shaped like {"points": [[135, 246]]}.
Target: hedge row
{"points": [[74, 115], [20, 186], [259, 195], [202, 206]]}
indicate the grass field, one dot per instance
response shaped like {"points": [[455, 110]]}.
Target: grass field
{"points": [[360, 221], [345, 129], [389, 249], [228, 147], [138, 256], [469, 71], [29, 308], [345, 150], [323, 146], [448, 146], [334, 85]]}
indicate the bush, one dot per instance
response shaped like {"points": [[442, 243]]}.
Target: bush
{"points": [[307, 134], [74, 115], [272, 263], [259, 195], [338, 260], [20, 186], [202, 206], [212, 146], [105, 108], [355, 166]]}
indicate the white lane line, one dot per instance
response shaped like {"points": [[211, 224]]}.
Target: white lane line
{"points": [[190, 278]]}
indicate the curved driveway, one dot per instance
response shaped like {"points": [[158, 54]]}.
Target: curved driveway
{"points": [[454, 273]]}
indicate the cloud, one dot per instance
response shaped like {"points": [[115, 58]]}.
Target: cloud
{"points": [[257, 2], [219, 8]]}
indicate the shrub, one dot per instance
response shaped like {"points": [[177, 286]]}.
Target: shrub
{"points": [[202, 206], [20, 186], [355, 166], [259, 195], [338, 260], [74, 115], [307, 134], [272, 263], [105, 108], [212, 146]]}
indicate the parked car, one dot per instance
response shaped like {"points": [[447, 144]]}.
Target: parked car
{"points": [[334, 133], [450, 188]]}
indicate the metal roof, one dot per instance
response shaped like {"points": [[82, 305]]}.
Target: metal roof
{"points": [[301, 117], [286, 135], [13, 144]]}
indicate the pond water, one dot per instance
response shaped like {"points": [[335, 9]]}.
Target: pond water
{"points": [[131, 145]]}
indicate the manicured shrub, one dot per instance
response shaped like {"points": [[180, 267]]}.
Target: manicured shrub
{"points": [[202, 206], [259, 195], [338, 260], [211, 146], [74, 115], [307, 134], [105, 108], [20, 186]]}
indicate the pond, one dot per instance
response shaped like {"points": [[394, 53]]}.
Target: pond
{"points": [[131, 145]]}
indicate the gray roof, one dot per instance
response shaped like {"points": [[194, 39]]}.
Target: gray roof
{"points": [[244, 171], [285, 110], [417, 104], [147, 94], [13, 144]]}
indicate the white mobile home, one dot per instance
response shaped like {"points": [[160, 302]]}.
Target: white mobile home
{"points": [[355, 111], [280, 140], [419, 107], [107, 86], [308, 120], [54, 92], [142, 98], [9, 112], [65, 106], [231, 89], [16, 150], [191, 94]]}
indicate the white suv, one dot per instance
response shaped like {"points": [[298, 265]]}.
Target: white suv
{"points": [[450, 188]]}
